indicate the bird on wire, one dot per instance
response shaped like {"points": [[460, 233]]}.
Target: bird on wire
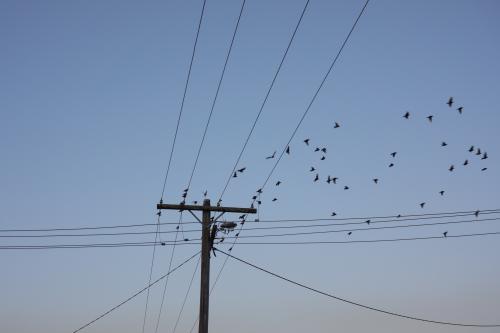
{"points": [[272, 156], [306, 141]]}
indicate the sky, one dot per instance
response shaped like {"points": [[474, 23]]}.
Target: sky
{"points": [[90, 93]]}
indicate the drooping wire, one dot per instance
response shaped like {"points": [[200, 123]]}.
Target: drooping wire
{"points": [[372, 308], [186, 296], [137, 293], [265, 100]]}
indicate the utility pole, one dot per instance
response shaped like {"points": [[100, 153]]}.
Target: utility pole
{"points": [[206, 247]]}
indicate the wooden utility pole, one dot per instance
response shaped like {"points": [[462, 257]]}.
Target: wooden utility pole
{"points": [[206, 247]]}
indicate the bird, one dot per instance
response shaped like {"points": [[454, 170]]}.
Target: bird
{"points": [[466, 162], [476, 213], [485, 156], [441, 192], [334, 214], [399, 215], [329, 179], [375, 180], [242, 217], [445, 234], [346, 187], [349, 233], [275, 199], [235, 175], [334, 180], [259, 202], [391, 165], [443, 144], [422, 204], [471, 149], [451, 168], [460, 109], [323, 158], [186, 189], [430, 118], [312, 169], [316, 178], [205, 193], [195, 202], [278, 183], [316, 149], [393, 154], [159, 213], [221, 240], [272, 156], [237, 234], [163, 244], [406, 115], [306, 141], [254, 197], [450, 102], [336, 125], [484, 169], [287, 150], [241, 170], [323, 150], [368, 221], [478, 152], [230, 249], [184, 195], [186, 239], [219, 202], [177, 228], [259, 190]]}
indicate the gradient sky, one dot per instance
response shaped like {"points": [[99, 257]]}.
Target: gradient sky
{"points": [[89, 98]]}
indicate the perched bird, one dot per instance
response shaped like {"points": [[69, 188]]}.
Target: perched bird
{"points": [[254, 197], [445, 234], [391, 165], [241, 170], [450, 102], [230, 249], [399, 215], [451, 168], [393, 154], [316, 178], [329, 179], [205, 193], [485, 156], [346, 187], [242, 217], [186, 189], [478, 152], [323, 150], [460, 109], [306, 141], [349, 233], [334, 214], [195, 202], [237, 234], [221, 240], [186, 239], [441, 192], [336, 125], [430, 118], [287, 150], [278, 183], [272, 156], [323, 158], [476, 213], [406, 115], [163, 244], [368, 222], [159, 213], [235, 175], [375, 180], [484, 169], [466, 162], [312, 169], [259, 191], [334, 180], [219, 202], [316, 149], [274, 199], [443, 144], [471, 149], [259, 202], [177, 228], [422, 204], [184, 195]]}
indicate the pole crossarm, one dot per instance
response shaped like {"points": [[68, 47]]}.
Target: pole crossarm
{"points": [[182, 207]]}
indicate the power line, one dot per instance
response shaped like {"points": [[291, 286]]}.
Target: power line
{"points": [[216, 94], [265, 99], [183, 99], [352, 302], [136, 294], [186, 296]]}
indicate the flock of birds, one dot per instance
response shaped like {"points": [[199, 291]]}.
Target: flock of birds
{"points": [[476, 151]]}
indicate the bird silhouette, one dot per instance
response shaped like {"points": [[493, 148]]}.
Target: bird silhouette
{"points": [[312, 169], [450, 102], [274, 199], [316, 149], [334, 180], [242, 217], [323, 158], [443, 144], [259, 202], [336, 125], [451, 168], [158, 213], [230, 249], [406, 115], [329, 179], [237, 234], [278, 183], [466, 162], [391, 165], [316, 178], [460, 109], [259, 191], [471, 149], [430, 118], [349, 233], [177, 228], [478, 152], [195, 202], [368, 222], [476, 213], [272, 156], [287, 150], [254, 197], [184, 195], [186, 239], [441, 192], [186, 189], [422, 204], [306, 141], [219, 202], [323, 150], [241, 170], [484, 169], [485, 156], [205, 193], [375, 180], [445, 234], [235, 175], [334, 214], [393, 154], [346, 187]]}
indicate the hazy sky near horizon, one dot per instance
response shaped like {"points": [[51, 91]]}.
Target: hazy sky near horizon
{"points": [[89, 98]]}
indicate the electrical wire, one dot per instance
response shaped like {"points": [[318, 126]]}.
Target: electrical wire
{"points": [[136, 294], [352, 302], [186, 296]]}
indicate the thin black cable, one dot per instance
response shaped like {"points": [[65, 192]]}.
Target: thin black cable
{"points": [[186, 296], [265, 100], [137, 293], [352, 302], [216, 93], [397, 217], [183, 100]]}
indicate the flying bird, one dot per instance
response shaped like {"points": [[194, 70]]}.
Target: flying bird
{"points": [[241, 170], [375, 180], [451, 168], [274, 199], [316, 149], [422, 204], [323, 150], [272, 156], [336, 125], [471, 149], [306, 141], [393, 154], [323, 158], [430, 118], [312, 169], [466, 162], [450, 102], [259, 191], [460, 109], [346, 187], [484, 169], [443, 144], [287, 150], [478, 152], [316, 178], [406, 115], [278, 183], [485, 156], [391, 165], [441, 192]]}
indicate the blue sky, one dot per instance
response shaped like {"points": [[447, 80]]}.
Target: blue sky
{"points": [[89, 97]]}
